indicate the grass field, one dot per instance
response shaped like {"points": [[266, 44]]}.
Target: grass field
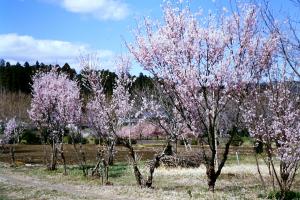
{"points": [[236, 182]]}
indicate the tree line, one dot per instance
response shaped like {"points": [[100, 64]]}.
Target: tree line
{"points": [[18, 77]]}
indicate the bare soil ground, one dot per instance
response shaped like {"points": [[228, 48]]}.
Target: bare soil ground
{"points": [[35, 153]]}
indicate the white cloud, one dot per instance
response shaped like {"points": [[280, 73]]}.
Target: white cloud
{"points": [[99, 9], [21, 48]]}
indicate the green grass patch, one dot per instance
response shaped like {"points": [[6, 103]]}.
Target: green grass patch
{"points": [[291, 195], [119, 173], [3, 197], [118, 170]]}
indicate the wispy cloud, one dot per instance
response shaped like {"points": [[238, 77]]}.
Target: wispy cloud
{"points": [[21, 48], [99, 9]]}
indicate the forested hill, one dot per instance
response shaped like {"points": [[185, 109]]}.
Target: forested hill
{"points": [[17, 78]]}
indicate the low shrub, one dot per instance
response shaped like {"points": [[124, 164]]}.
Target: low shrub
{"points": [[68, 140], [237, 141], [30, 137], [194, 142]]}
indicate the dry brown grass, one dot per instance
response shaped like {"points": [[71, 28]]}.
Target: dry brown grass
{"points": [[235, 182]]}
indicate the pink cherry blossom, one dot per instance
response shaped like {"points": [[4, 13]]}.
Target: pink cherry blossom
{"points": [[56, 101], [203, 65], [272, 117], [12, 131], [55, 104]]}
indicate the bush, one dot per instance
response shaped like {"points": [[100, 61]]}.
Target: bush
{"points": [[237, 140], [194, 142], [30, 137], [84, 141], [97, 140], [290, 195], [68, 140], [244, 133]]}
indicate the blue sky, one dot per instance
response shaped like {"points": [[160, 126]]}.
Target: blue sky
{"points": [[58, 31]]}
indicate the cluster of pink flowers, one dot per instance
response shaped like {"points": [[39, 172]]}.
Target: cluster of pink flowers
{"points": [[202, 67], [12, 131], [98, 107], [56, 101], [107, 115], [272, 117]]}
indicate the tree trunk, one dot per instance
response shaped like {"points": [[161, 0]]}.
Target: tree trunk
{"points": [[99, 157], [138, 176], [259, 172], [96, 168], [84, 166], [53, 157], [211, 172], [110, 152], [105, 171], [153, 166], [12, 153], [82, 161], [63, 158], [168, 149], [211, 177]]}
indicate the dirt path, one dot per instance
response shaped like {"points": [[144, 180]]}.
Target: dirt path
{"points": [[68, 191]]}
